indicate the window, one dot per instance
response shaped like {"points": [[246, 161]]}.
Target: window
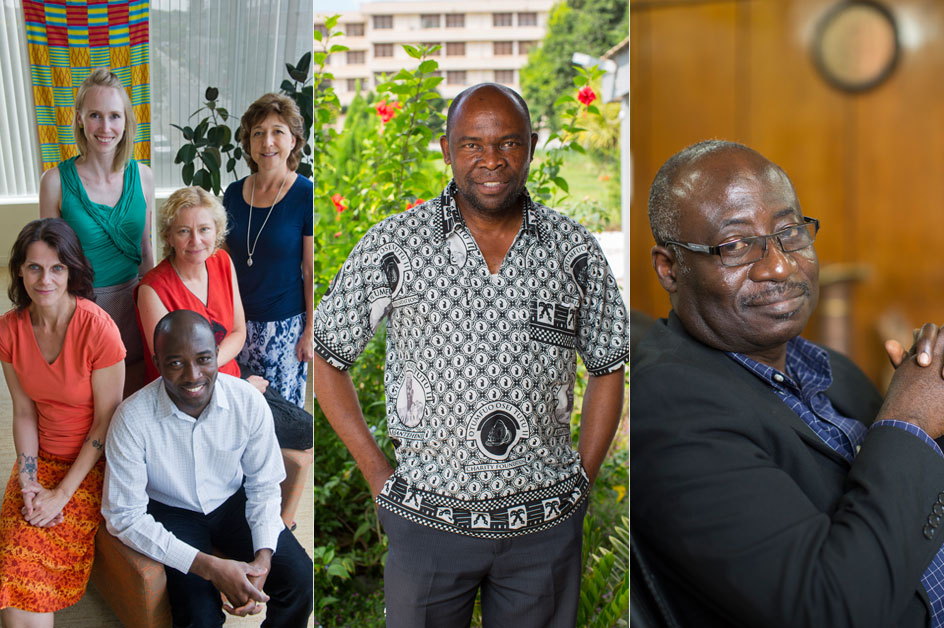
{"points": [[378, 78], [524, 47], [432, 44], [354, 29], [501, 19], [528, 19], [210, 40], [455, 77], [355, 57], [429, 20], [383, 21], [501, 48], [455, 20], [505, 77], [383, 50], [455, 48], [220, 60], [352, 85], [321, 28]]}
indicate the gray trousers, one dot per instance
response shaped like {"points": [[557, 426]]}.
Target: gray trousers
{"points": [[530, 581]]}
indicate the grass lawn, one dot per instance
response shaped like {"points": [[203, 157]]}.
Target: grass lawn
{"points": [[594, 197]]}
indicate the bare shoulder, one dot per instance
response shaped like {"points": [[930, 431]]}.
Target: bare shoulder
{"points": [[50, 194], [146, 174], [50, 180]]}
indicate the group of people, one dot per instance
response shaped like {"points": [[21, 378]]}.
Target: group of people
{"points": [[106, 352]]}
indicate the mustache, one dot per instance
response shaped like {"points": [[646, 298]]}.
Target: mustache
{"points": [[778, 292]]}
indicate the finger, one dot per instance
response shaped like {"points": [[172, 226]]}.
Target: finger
{"points": [[924, 343], [896, 352], [249, 608]]}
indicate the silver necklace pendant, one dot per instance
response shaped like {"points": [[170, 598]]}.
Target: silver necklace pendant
{"points": [[249, 262]]}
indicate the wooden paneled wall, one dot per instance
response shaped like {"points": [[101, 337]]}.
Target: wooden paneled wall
{"points": [[870, 166]]}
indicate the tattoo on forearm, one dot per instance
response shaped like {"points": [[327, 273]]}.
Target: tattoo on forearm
{"points": [[27, 465], [95, 443]]}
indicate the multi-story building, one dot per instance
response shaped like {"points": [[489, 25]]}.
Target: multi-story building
{"points": [[482, 40]]}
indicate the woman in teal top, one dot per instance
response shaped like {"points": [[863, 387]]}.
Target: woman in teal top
{"points": [[106, 197]]}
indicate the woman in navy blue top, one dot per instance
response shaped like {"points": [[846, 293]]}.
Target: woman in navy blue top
{"points": [[270, 241]]}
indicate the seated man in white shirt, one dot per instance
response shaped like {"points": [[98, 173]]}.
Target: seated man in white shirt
{"points": [[193, 466]]}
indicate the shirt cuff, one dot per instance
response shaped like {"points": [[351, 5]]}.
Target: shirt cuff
{"points": [[267, 536], [911, 428], [180, 555]]}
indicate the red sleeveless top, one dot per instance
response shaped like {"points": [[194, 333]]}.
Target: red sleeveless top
{"points": [[174, 295]]}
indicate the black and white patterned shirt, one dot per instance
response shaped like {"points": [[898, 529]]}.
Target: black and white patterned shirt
{"points": [[480, 368]]}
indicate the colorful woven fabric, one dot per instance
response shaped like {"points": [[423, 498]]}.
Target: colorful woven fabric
{"points": [[46, 569], [66, 40]]}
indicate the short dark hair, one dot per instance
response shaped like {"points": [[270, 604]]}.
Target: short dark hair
{"points": [[515, 96], [177, 317], [56, 233]]}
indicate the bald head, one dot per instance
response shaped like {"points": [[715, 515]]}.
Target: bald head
{"points": [[669, 184], [484, 91], [185, 356], [180, 323]]}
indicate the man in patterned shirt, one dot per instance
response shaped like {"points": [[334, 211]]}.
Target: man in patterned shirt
{"points": [[763, 493], [489, 298]]}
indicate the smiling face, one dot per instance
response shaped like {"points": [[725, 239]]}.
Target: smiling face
{"points": [[193, 235], [271, 142], [102, 119], [45, 277], [756, 308], [185, 356], [490, 146]]}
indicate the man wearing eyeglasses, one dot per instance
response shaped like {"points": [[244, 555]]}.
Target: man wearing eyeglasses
{"points": [[771, 484]]}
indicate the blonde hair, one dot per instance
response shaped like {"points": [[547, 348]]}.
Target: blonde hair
{"points": [[103, 77], [185, 198], [285, 108]]}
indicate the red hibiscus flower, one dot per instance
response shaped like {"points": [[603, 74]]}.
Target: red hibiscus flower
{"points": [[386, 111], [418, 201], [586, 95], [340, 203]]}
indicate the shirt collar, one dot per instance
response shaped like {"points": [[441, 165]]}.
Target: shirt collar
{"points": [[450, 218], [806, 362], [167, 408]]}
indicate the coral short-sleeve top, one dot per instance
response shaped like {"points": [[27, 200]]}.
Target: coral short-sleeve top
{"points": [[62, 391]]}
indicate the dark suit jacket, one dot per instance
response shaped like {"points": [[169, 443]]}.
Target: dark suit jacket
{"points": [[751, 520]]}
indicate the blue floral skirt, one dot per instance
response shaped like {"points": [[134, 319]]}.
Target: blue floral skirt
{"points": [[270, 351]]}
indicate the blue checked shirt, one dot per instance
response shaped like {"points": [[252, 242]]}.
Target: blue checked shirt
{"points": [[803, 388]]}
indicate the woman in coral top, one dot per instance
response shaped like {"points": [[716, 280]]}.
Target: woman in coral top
{"points": [[63, 362], [195, 274]]}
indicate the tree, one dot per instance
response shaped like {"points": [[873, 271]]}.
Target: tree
{"points": [[588, 26]]}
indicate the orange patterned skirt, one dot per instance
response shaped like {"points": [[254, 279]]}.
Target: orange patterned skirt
{"points": [[46, 569]]}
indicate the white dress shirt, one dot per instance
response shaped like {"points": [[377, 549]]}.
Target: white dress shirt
{"points": [[156, 451]]}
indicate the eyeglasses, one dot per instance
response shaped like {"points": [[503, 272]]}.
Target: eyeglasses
{"points": [[751, 249]]}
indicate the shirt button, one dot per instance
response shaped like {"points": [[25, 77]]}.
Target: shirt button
{"points": [[928, 532], [934, 520], [778, 378], [938, 509], [940, 497]]}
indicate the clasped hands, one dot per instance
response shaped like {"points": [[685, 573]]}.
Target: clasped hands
{"points": [[42, 507], [240, 584], [916, 393]]}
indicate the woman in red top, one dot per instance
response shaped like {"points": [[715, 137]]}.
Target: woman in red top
{"points": [[196, 274], [63, 362]]}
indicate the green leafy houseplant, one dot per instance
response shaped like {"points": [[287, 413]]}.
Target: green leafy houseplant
{"points": [[211, 140]]}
